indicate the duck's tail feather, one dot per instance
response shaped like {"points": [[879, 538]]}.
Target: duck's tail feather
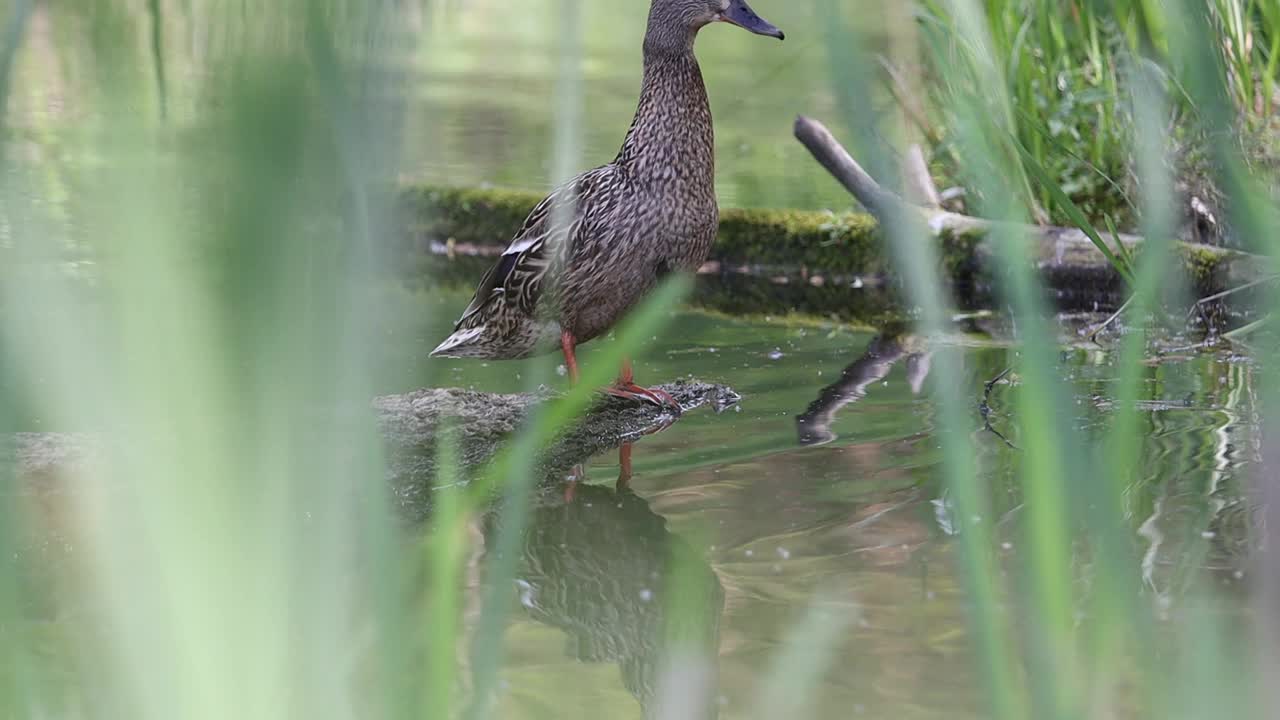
{"points": [[462, 343]]}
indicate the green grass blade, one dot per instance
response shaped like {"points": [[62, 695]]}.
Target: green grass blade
{"points": [[1073, 211], [806, 655], [157, 53]]}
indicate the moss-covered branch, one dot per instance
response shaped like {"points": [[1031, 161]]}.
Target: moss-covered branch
{"points": [[1068, 259]]}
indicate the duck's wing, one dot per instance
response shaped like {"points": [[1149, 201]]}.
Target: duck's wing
{"points": [[547, 234]]}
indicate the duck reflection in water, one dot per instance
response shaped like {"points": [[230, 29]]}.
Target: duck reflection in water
{"points": [[882, 353], [624, 589]]}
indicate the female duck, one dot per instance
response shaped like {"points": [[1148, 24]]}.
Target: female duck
{"points": [[597, 245]]}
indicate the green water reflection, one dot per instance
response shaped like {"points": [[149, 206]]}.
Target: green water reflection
{"points": [[759, 512]]}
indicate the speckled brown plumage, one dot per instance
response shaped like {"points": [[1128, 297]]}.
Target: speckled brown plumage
{"points": [[598, 244], [605, 570]]}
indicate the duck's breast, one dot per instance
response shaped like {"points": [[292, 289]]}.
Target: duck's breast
{"points": [[621, 257]]}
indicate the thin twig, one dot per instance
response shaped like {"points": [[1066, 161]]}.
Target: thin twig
{"points": [[898, 87], [985, 407], [1198, 307], [1093, 332], [918, 183], [1240, 332]]}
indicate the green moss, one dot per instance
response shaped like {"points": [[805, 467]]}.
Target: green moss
{"points": [[836, 243], [1204, 266]]}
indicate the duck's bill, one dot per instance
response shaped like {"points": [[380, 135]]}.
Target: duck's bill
{"points": [[740, 13]]}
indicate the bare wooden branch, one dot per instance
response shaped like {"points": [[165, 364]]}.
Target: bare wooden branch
{"points": [[832, 156], [918, 183], [1066, 254]]}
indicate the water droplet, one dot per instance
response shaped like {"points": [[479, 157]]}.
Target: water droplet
{"points": [[776, 354], [646, 595]]}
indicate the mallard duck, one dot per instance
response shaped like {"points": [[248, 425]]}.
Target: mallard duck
{"points": [[598, 244]]}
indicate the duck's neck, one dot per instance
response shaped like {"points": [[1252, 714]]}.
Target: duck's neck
{"points": [[671, 140]]}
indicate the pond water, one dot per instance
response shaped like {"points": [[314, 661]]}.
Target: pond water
{"points": [[848, 503], [768, 510], [824, 481]]}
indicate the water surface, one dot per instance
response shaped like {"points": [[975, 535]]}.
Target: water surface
{"points": [[849, 505]]}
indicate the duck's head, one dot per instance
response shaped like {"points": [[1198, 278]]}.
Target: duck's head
{"points": [[675, 20], [738, 12]]}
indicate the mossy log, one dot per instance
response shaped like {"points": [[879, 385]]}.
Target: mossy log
{"points": [[833, 249], [411, 425]]}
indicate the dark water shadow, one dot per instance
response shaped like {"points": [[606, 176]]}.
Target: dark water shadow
{"points": [[813, 427]]}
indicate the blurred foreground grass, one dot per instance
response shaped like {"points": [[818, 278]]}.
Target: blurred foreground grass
{"points": [[197, 292]]}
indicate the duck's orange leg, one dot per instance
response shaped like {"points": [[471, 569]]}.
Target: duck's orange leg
{"points": [[624, 468], [567, 343], [626, 387], [578, 474]]}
